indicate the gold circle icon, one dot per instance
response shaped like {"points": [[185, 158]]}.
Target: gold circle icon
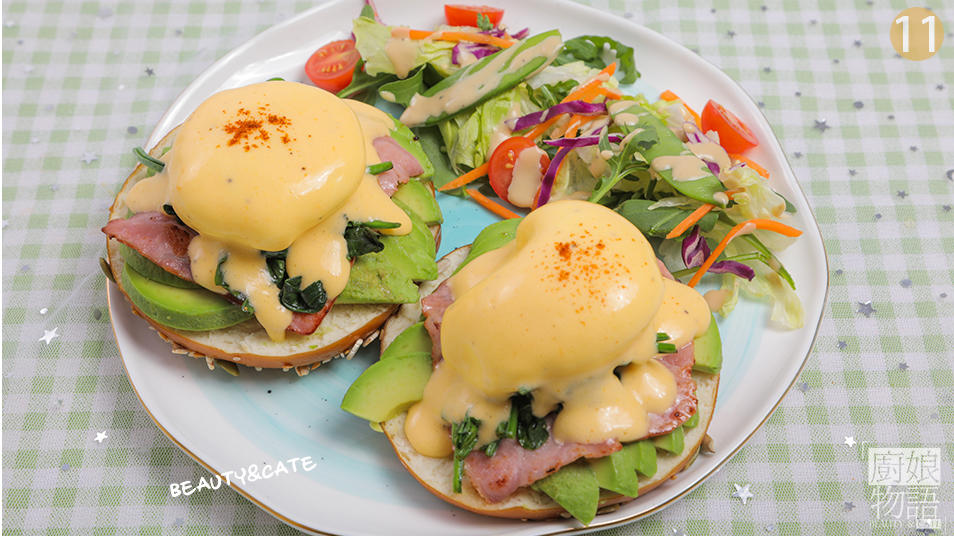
{"points": [[917, 33]]}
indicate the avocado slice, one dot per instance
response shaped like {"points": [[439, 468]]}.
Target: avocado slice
{"points": [[673, 442], [151, 270], [180, 308], [617, 472], [388, 387], [693, 421], [412, 340], [418, 246], [417, 197], [388, 276], [708, 350], [575, 488], [647, 458]]}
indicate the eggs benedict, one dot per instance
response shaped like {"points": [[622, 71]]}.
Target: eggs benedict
{"points": [[270, 204], [563, 359]]}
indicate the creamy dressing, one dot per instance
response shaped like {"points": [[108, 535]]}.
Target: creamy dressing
{"points": [[268, 167], [574, 296], [402, 51], [527, 177], [618, 111], [712, 152], [685, 167], [716, 298], [468, 88]]}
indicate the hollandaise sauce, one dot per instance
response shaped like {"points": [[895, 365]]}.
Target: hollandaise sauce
{"points": [[272, 167], [568, 311]]}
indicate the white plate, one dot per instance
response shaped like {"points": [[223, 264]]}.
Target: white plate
{"points": [[358, 486]]}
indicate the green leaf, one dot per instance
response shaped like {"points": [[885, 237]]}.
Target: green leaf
{"points": [[590, 49], [528, 429], [660, 221], [464, 439], [432, 144], [549, 95], [361, 240], [363, 86], [402, 91], [483, 22], [310, 299], [623, 163]]}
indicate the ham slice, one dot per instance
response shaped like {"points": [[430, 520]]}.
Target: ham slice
{"points": [[405, 165], [163, 240], [433, 307], [158, 237], [680, 364], [512, 466]]}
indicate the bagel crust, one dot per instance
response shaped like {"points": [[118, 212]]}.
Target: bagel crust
{"points": [[341, 333], [435, 474]]}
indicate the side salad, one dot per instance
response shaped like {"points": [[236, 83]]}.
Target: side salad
{"points": [[515, 119]]}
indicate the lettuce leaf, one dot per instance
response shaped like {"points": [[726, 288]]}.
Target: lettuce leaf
{"points": [[758, 200], [470, 137], [371, 40]]}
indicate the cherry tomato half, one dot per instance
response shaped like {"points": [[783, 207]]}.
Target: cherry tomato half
{"points": [[504, 157], [460, 15], [734, 136], [332, 66]]}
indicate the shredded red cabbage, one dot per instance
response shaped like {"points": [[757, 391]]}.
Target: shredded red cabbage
{"points": [[546, 187], [583, 141], [579, 107], [477, 49], [695, 251]]}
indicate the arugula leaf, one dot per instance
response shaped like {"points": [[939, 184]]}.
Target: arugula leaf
{"points": [[590, 50], [659, 221], [363, 86], [147, 160], [310, 299], [483, 22], [361, 240], [623, 163], [433, 145], [402, 91], [549, 95], [464, 439]]}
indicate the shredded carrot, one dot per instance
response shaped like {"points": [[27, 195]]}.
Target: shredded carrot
{"points": [[538, 130], [690, 220], [455, 36], [575, 122], [466, 178], [586, 91], [755, 167], [669, 96], [609, 93], [758, 223], [488, 204]]}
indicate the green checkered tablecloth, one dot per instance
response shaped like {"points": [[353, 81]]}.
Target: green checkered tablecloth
{"points": [[871, 137]]}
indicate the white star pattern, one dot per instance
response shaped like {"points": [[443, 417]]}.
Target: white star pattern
{"points": [[89, 158], [742, 493], [850, 441], [49, 335], [101, 436]]}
